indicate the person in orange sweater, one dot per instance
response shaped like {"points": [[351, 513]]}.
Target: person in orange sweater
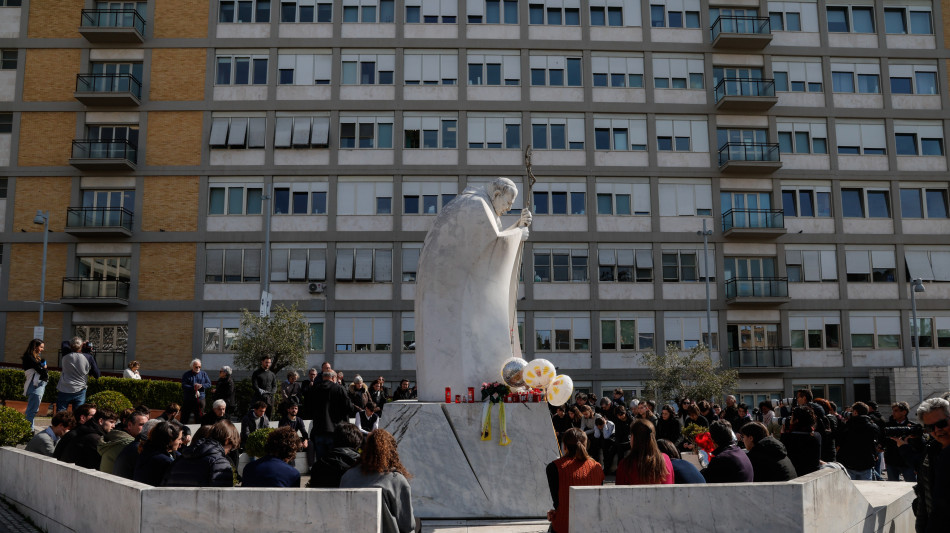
{"points": [[575, 468]]}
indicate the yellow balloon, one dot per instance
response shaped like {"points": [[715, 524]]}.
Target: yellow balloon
{"points": [[539, 373], [560, 390]]}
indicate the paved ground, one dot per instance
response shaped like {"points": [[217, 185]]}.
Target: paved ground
{"points": [[12, 522], [484, 526]]}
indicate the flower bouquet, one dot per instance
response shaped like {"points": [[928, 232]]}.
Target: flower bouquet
{"points": [[493, 393]]}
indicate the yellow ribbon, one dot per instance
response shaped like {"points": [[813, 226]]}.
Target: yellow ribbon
{"points": [[503, 439]]}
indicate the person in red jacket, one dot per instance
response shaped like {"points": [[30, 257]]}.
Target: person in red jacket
{"points": [[575, 468]]}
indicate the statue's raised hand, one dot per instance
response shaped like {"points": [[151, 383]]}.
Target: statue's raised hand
{"points": [[525, 219]]}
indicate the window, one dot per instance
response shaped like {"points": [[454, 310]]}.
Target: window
{"points": [[298, 264], [625, 332], [853, 19], [430, 131], [554, 12], [871, 266], [914, 20], [620, 133], [429, 12], [623, 197], [494, 68], [316, 335], [617, 71], [306, 11], [368, 69], [408, 332], [802, 137], [427, 197], [369, 11], [363, 332], [806, 201], [882, 330], [624, 265], [236, 199], [364, 264], [557, 265], [913, 79], [862, 138], [10, 3], [237, 132], [793, 16], [612, 13], [688, 329], [243, 11], [797, 75], [220, 332], [810, 331], [557, 133], [492, 11], [304, 69], [410, 261], [559, 199], [930, 263], [677, 72], [301, 198], [431, 68], [684, 265], [562, 332], [6, 122], [923, 203], [366, 131], [301, 132], [494, 131], [685, 199], [550, 71], [682, 135], [851, 76], [811, 265], [3, 189], [364, 197], [241, 70], [8, 59], [918, 138], [865, 203], [112, 141], [684, 15], [232, 265]]}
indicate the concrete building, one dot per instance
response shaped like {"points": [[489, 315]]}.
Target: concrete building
{"points": [[808, 136]]}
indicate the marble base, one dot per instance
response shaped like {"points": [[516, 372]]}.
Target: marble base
{"points": [[457, 475]]}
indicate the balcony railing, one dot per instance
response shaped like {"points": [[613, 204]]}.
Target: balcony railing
{"points": [[92, 289], [94, 154], [756, 288], [108, 83], [741, 25], [745, 87], [752, 152], [113, 18], [753, 219], [109, 361], [761, 358], [99, 217]]}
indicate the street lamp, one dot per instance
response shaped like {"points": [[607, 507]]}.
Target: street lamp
{"points": [[918, 286], [42, 218], [706, 233]]}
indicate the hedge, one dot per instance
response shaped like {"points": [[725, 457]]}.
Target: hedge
{"points": [[156, 394]]}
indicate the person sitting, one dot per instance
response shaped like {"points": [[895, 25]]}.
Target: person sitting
{"points": [[801, 442], [44, 442], [116, 440], [124, 466], [367, 419], [294, 422], [729, 464], [575, 468], [403, 392], [205, 464], [669, 426], [380, 468], [171, 412], [684, 472], [561, 422], [602, 443], [646, 464], [82, 414], [157, 453], [275, 469], [769, 459], [256, 418], [358, 393], [218, 412], [84, 449], [327, 471]]}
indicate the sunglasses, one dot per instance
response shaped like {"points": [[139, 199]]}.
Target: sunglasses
{"points": [[940, 424]]}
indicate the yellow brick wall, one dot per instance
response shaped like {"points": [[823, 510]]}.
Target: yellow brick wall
{"points": [[174, 138], [39, 85], [170, 203], [178, 74], [167, 271], [163, 341], [55, 18], [46, 138], [48, 194], [19, 333], [25, 263], [182, 18]]}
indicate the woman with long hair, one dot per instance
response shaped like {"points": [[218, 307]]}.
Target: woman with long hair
{"points": [[380, 467], [575, 468], [669, 426], [645, 465], [157, 452], [37, 377]]}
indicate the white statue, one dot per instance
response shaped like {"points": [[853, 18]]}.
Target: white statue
{"points": [[466, 290]]}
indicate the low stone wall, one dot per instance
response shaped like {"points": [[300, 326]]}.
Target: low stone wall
{"points": [[64, 498], [826, 501]]}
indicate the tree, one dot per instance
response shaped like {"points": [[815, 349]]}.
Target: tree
{"points": [[688, 374], [284, 336]]}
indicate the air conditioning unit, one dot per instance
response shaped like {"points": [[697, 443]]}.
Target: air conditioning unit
{"points": [[316, 288]]}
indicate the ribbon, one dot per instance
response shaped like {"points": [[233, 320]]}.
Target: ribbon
{"points": [[486, 420], [503, 439]]}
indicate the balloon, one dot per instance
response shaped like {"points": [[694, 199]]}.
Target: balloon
{"points": [[539, 373], [512, 372], [560, 390]]}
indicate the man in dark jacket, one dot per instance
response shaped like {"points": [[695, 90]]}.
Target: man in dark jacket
{"points": [[857, 443], [328, 405], [194, 385], [84, 449], [83, 414], [276, 468], [256, 418], [264, 383], [327, 471], [729, 464], [767, 454], [205, 464], [896, 465]]}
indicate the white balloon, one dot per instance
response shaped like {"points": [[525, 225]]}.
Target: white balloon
{"points": [[560, 390], [539, 373]]}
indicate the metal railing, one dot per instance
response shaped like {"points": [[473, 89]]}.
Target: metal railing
{"points": [[753, 218], [748, 152], [744, 87], [760, 357], [743, 25], [96, 149], [756, 288], [113, 18], [93, 288], [98, 217], [108, 83]]}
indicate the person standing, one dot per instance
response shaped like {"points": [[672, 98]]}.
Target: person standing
{"points": [[265, 384], [76, 368], [857, 445], [36, 378], [328, 405], [194, 384], [932, 506], [575, 468], [896, 465], [224, 390], [380, 468]]}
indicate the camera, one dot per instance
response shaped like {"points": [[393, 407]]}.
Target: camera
{"points": [[903, 432]]}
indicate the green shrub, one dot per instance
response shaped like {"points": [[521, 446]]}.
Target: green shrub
{"points": [[11, 384], [154, 393], [256, 441], [14, 427], [243, 392], [111, 400]]}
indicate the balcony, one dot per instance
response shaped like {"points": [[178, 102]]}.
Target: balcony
{"points": [[757, 291], [94, 291], [108, 89], [748, 33], [93, 154], [745, 94], [760, 358], [112, 26], [99, 221], [749, 158], [753, 223]]}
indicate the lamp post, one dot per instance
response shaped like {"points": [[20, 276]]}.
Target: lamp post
{"points": [[706, 233], [265, 281], [917, 285], [42, 218]]}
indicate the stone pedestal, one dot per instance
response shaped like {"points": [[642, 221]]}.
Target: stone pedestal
{"points": [[457, 475]]}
